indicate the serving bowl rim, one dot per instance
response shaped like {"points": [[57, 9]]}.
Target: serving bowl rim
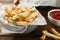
{"points": [[53, 11]]}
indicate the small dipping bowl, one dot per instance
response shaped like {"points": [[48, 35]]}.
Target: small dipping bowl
{"points": [[54, 17]]}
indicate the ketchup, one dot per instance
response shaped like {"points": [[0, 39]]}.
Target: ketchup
{"points": [[55, 15]]}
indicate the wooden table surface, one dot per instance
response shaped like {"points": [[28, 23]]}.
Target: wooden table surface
{"points": [[37, 33]]}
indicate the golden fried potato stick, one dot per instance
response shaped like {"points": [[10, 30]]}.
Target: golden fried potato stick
{"points": [[43, 37], [16, 2], [50, 35], [55, 32], [7, 10]]}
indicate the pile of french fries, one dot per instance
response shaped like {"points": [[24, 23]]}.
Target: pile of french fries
{"points": [[55, 34], [20, 15]]}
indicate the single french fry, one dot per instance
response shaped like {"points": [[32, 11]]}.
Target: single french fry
{"points": [[50, 35], [55, 32], [16, 1], [43, 37], [7, 10]]}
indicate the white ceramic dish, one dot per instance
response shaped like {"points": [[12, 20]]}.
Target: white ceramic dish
{"points": [[52, 20], [7, 28]]}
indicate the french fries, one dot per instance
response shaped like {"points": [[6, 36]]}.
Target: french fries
{"points": [[46, 33], [20, 15], [31, 17], [54, 32], [50, 35], [43, 36], [7, 10], [16, 2]]}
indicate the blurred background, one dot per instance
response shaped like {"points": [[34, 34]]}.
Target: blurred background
{"points": [[55, 3]]}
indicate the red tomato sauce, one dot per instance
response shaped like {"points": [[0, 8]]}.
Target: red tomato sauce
{"points": [[55, 15]]}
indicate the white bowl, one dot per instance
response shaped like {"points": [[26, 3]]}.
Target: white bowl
{"points": [[52, 20], [20, 29], [13, 28], [17, 29]]}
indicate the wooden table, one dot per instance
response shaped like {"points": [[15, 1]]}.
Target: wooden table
{"points": [[37, 33]]}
